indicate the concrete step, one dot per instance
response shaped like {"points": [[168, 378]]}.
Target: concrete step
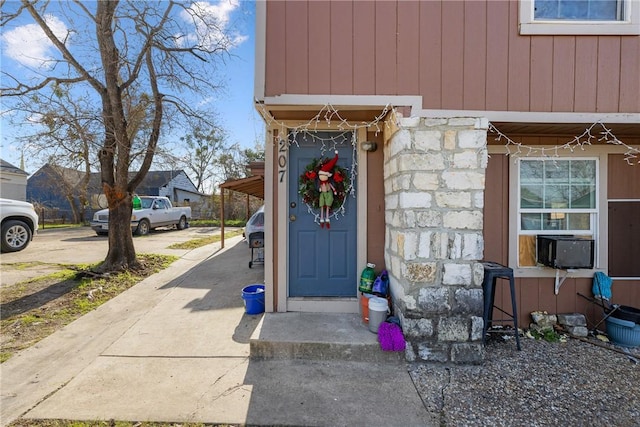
{"points": [[318, 336]]}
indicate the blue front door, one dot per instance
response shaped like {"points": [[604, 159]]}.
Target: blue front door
{"points": [[322, 260]]}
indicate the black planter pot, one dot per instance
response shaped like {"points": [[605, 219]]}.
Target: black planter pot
{"points": [[625, 312]]}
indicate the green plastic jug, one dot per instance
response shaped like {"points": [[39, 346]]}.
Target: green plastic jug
{"points": [[367, 278]]}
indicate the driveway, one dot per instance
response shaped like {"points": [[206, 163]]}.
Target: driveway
{"points": [[52, 247]]}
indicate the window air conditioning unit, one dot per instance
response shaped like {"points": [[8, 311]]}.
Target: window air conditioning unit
{"points": [[565, 252]]}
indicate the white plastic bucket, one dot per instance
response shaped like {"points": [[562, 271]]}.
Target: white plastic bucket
{"points": [[378, 311]]}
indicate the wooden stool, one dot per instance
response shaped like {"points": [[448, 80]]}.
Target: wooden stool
{"points": [[492, 272]]}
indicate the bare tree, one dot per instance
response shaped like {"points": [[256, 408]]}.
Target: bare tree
{"points": [[69, 127], [137, 59]]}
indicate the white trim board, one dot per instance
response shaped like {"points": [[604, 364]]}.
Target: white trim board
{"points": [[630, 25], [313, 304], [415, 102]]}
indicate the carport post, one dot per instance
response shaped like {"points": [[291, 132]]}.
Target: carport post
{"points": [[221, 217]]}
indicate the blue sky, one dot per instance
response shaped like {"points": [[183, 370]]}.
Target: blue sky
{"points": [[235, 106]]}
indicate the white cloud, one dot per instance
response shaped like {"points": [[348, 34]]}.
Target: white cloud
{"points": [[29, 45], [211, 24], [206, 101]]}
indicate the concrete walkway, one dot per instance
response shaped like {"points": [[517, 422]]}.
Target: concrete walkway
{"points": [[176, 348]]}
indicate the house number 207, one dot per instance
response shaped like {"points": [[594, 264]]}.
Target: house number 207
{"points": [[282, 159]]}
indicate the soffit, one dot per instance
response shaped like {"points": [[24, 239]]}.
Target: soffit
{"points": [[353, 114], [253, 186], [630, 132]]}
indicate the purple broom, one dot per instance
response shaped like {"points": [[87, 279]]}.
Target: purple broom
{"points": [[390, 337]]}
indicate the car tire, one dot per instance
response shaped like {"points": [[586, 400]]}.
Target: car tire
{"points": [[16, 236], [182, 224], [102, 233], [143, 228]]}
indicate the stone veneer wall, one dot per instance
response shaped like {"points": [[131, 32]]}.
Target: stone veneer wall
{"points": [[434, 177]]}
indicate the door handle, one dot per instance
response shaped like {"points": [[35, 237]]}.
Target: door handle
{"points": [[292, 218]]}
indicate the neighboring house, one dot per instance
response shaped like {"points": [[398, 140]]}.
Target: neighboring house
{"points": [[46, 188], [174, 184], [13, 182], [43, 187], [476, 108]]}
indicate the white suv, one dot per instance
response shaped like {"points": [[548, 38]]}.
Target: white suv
{"points": [[19, 224]]}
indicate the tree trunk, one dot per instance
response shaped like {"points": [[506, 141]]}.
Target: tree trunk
{"points": [[122, 254], [77, 215], [82, 208]]}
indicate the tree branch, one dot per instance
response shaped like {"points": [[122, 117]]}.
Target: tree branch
{"points": [[155, 129], [61, 46]]}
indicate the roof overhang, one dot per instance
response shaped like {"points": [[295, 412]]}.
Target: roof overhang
{"points": [[253, 186], [627, 132], [310, 113], [362, 109]]}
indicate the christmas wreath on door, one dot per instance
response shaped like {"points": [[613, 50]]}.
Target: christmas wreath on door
{"points": [[324, 186]]}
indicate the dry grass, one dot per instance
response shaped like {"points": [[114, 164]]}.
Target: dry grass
{"points": [[35, 309], [196, 243]]}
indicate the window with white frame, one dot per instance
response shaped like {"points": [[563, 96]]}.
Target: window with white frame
{"points": [[555, 197], [579, 10], [579, 17]]}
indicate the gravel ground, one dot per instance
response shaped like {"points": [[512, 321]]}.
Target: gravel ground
{"points": [[546, 384]]}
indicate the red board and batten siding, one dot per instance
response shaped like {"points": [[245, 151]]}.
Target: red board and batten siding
{"points": [[535, 294], [363, 59], [456, 54], [321, 40], [341, 47]]}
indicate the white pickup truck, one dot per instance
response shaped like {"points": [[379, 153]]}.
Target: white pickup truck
{"points": [[155, 212]]}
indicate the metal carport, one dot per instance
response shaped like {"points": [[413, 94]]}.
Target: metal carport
{"points": [[251, 186]]}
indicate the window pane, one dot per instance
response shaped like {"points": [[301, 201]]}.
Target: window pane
{"points": [[554, 221], [604, 10], [579, 221], [556, 172], [531, 196], [531, 221], [579, 10], [546, 9], [531, 172], [556, 196], [583, 172], [583, 196], [572, 9]]}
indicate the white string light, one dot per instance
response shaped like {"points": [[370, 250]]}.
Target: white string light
{"points": [[588, 137], [329, 117]]}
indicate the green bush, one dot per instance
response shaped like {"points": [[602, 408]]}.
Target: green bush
{"points": [[216, 223]]}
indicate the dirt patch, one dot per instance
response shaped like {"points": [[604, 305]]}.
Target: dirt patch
{"points": [[15, 273], [34, 309]]}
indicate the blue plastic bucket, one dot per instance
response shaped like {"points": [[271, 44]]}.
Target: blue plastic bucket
{"points": [[253, 296]]}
